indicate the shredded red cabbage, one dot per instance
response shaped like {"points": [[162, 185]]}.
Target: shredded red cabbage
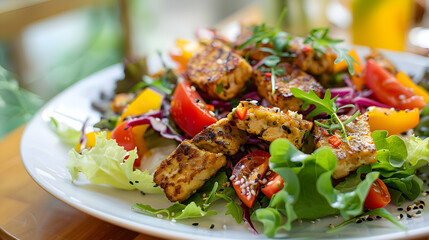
{"points": [[246, 217], [83, 138], [158, 124]]}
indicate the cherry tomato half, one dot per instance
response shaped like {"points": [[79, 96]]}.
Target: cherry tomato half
{"points": [[378, 195], [189, 110], [247, 173], [387, 89], [272, 183]]}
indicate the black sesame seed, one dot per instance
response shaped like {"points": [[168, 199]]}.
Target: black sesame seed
{"points": [[421, 206], [259, 175], [422, 202], [409, 216], [359, 221], [274, 123], [249, 158], [284, 127], [370, 219], [401, 215], [131, 183], [212, 226], [378, 217], [415, 208], [418, 212], [136, 181], [408, 208], [198, 100], [195, 224], [400, 209], [142, 193], [126, 128], [277, 110]]}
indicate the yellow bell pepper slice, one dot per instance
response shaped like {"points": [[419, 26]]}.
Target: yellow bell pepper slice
{"points": [[90, 140], [185, 49], [147, 100], [357, 78], [407, 82], [395, 122]]}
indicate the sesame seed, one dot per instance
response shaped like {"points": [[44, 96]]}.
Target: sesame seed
{"points": [[359, 221], [409, 216], [212, 226], [402, 96], [237, 182], [224, 227], [415, 208], [378, 217], [269, 183], [331, 225], [219, 61], [401, 215], [193, 88], [158, 215], [408, 208], [195, 224], [198, 100], [252, 192], [212, 113], [242, 180], [421, 206], [418, 212], [254, 102], [243, 191], [268, 173], [264, 181], [131, 183], [400, 209], [232, 177], [248, 197], [370, 219], [173, 220], [398, 218]]}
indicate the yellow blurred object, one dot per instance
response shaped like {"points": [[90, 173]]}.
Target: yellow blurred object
{"points": [[395, 122], [147, 100], [90, 140], [381, 23], [407, 82], [185, 49]]}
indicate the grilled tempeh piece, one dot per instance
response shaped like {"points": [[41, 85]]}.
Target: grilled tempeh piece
{"points": [[361, 151], [271, 123], [218, 71], [220, 137], [186, 170], [283, 97], [195, 161]]}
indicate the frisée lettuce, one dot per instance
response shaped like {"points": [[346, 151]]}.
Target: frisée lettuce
{"points": [[107, 163]]}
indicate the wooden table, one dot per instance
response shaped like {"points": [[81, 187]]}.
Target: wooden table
{"points": [[29, 212]]}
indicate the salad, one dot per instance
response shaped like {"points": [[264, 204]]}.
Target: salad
{"points": [[277, 128]]}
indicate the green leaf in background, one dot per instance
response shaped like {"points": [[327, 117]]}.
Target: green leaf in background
{"points": [[17, 105]]}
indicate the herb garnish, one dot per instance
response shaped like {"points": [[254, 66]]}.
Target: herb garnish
{"points": [[325, 105], [319, 40]]}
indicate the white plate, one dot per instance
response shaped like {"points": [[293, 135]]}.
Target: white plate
{"points": [[45, 159]]}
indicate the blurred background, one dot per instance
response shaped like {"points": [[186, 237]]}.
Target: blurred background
{"points": [[47, 45]]}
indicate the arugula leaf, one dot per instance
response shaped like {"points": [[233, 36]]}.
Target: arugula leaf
{"points": [[149, 82], [176, 211], [320, 42], [382, 212], [198, 204], [325, 105], [105, 164]]}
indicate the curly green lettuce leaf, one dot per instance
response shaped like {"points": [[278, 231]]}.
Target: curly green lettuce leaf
{"points": [[418, 152], [104, 164], [397, 161], [308, 192]]}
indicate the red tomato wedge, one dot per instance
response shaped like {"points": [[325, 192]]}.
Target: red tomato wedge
{"points": [[247, 173], [126, 138], [189, 110], [272, 183], [387, 89], [378, 195]]}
